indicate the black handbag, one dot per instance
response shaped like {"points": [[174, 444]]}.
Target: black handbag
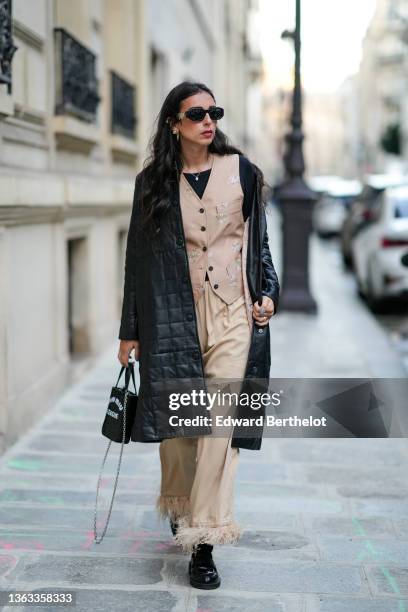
{"points": [[117, 426], [112, 427]]}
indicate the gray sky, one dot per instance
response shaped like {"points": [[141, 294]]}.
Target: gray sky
{"points": [[332, 35]]}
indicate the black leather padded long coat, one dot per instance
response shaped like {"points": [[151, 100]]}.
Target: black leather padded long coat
{"points": [[158, 310]]}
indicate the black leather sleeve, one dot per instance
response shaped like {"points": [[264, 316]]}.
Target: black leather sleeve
{"points": [[270, 282], [248, 181], [129, 323]]}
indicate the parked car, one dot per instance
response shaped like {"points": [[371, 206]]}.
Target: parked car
{"points": [[335, 196], [380, 247], [358, 213]]}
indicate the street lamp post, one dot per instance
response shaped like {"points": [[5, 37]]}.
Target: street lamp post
{"points": [[296, 200]]}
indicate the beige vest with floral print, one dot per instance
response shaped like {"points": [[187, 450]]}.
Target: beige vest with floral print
{"points": [[214, 228]]}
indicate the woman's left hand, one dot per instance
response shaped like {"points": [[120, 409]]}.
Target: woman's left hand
{"points": [[263, 313]]}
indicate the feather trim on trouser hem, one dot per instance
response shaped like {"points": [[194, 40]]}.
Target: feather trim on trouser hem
{"points": [[187, 537], [172, 506]]}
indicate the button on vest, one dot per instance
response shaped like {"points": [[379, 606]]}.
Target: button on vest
{"points": [[213, 228]]}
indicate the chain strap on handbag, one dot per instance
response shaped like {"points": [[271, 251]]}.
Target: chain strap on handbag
{"points": [[112, 432]]}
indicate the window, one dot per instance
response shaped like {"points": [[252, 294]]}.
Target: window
{"points": [[400, 208]]}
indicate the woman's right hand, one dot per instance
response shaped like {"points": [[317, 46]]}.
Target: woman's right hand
{"points": [[125, 348]]}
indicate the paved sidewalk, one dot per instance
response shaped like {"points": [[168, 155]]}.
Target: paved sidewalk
{"points": [[326, 521]]}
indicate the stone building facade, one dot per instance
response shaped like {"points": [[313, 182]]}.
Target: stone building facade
{"points": [[81, 84]]}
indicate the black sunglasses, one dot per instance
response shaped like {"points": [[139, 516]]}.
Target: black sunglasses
{"points": [[197, 113]]}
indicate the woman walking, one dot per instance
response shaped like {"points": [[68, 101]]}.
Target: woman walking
{"points": [[200, 289]]}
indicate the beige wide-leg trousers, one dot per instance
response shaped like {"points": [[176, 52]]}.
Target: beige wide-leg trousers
{"points": [[197, 474]]}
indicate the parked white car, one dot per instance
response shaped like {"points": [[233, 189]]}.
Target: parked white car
{"points": [[330, 211], [380, 247], [359, 211]]}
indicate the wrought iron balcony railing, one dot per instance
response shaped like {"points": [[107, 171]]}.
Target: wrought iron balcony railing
{"points": [[7, 48], [123, 118], [76, 82]]}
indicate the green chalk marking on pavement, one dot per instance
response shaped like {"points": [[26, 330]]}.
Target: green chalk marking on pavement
{"points": [[48, 499], [17, 482], [357, 525], [24, 464], [386, 572], [13, 496], [391, 580], [371, 551], [6, 496]]}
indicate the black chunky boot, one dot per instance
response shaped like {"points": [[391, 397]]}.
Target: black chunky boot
{"points": [[202, 570]]}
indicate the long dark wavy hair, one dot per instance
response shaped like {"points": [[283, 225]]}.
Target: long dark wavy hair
{"points": [[162, 168]]}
